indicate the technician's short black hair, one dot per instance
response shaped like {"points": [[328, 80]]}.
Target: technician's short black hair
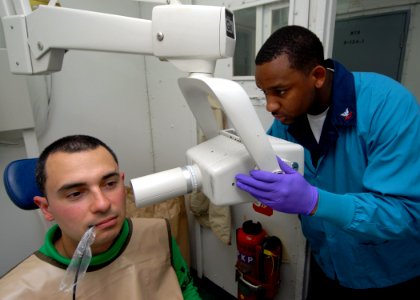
{"points": [[302, 46]]}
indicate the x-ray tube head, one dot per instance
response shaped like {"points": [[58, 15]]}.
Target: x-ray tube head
{"points": [[161, 186]]}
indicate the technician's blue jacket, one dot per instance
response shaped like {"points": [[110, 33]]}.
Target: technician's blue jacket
{"points": [[366, 230]]}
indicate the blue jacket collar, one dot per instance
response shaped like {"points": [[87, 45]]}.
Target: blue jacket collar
{"points": [[342, 113], [343, 104]]}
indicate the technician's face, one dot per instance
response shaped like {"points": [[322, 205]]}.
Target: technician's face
{"points": [[85, 188], [289, 92]]}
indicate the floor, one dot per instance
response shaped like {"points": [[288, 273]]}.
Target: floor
{"points": [[210, 291]]}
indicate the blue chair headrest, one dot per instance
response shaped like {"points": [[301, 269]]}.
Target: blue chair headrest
{"points": [[20, 184]]}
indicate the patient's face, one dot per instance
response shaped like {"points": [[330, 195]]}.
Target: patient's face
{"points": [[86, 188]]}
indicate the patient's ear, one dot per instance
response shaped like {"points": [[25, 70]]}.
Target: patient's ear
{"points": [[43, 205]]}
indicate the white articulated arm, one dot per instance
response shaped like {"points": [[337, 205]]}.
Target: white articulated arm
{"points": [[238, 108], [37, 40]]}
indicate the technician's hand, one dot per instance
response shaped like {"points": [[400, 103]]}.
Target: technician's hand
{"points": [[288, 192]]}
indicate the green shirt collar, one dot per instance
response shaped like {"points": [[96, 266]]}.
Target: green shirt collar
{"points": [[54, 233]]}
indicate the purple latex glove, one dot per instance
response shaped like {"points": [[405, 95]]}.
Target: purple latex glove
{"points": [[288, 192]]}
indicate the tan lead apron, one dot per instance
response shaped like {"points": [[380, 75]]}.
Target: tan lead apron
{"points": [[143, 271]]}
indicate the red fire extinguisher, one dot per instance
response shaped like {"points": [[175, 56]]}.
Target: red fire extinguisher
{"points": [[258, 263]]}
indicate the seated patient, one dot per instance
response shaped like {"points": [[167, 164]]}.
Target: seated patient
{"points": [[82, 186]]}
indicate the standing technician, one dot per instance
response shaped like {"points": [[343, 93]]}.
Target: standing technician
{"points": [[359, 198]]}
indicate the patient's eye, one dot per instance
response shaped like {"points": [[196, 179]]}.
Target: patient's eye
{"points": [[74, 195], [111, 182]]}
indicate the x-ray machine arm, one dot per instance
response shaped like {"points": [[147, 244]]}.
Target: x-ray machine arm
{"points": [[37, 41]]}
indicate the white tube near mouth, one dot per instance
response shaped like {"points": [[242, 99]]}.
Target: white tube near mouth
{"points": [[158, 187]]}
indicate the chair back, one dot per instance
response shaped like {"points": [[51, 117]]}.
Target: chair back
{"points": [[20, 184]]}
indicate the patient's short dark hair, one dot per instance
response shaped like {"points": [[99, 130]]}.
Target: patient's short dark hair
{"points": [[68, 144]]}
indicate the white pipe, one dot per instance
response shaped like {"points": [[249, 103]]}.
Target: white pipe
{"points": [[158, 187]]}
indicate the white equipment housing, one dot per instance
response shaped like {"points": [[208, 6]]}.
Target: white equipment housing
{"points": [[215, 163]]}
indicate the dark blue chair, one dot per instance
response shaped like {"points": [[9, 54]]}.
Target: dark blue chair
{"points": [[20, 184]]}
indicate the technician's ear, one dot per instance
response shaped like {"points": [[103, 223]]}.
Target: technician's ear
{"points": [[319, 74], [43, 205]]}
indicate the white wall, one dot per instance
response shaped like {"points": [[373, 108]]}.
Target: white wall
{"points": [[105, 95], [172, 124]]}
